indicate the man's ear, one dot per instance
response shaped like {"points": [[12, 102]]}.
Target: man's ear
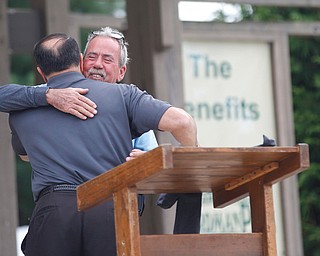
{"points": [[122, 72], [42, 74], [81, 62]]}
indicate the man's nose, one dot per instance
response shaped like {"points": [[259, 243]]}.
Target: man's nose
{"points": [[98, 63]]}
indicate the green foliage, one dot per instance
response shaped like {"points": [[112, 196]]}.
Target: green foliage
{"points": [[82, 6], [305, 65], [22, 69], [18, 3], [305, 71], [276, 14], [97, 6], [309, 200], [83, 37], [25, 198]]}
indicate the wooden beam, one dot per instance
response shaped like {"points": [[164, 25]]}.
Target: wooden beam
{"points": [[55, 15], [292, 164], [153, 55], [282, 3], [262, 215], [97, 190], [96, 21], [8, 191], [244, 244], [93, 21], [24, 30], [127, 222], [252, 175], [256, 29], [4, 44]]}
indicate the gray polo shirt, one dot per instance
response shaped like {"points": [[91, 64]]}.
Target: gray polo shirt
{"points": [[15, 97], [65, 149]]}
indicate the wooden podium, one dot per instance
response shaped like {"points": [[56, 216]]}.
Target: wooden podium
{"points": [[230, 173]]}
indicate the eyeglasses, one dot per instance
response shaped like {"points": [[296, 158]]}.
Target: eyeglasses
{"points": [[117, 35], [114, 34]]}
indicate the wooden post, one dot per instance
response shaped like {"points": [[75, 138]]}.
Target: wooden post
{"points": [[8, 192], [154, 32], [55, 15], [8, 196], [262, 215], [127, 222]]}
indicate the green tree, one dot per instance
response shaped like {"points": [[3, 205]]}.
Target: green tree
{"points": [[110, 7], [305, 65]]}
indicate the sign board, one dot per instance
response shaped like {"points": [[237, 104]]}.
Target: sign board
{"points": [[228, 90], [228, 87]]}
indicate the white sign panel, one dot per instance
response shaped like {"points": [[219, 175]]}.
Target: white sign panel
{"points": [[228, 90]]}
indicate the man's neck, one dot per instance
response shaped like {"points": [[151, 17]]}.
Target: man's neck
{"points": [[71, 69]]}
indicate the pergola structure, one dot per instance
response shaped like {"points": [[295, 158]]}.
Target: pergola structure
{"points": [[155, 33]]}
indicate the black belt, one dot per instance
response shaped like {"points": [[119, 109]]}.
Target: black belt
{"points": [[60, 187]]}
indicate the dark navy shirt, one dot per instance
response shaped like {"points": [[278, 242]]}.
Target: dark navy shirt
{"points": [[65, 149]]}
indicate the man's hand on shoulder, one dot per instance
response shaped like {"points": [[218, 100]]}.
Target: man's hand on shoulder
{"points": [[72, 101]]}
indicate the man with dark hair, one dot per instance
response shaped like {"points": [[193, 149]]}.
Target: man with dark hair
{"points": [[64, 151], [105, 59]]}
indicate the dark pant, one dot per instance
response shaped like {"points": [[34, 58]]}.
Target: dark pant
{"points": [[57, 228], [188, 212]]}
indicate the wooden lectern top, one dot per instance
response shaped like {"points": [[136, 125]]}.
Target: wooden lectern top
{"points": [[230, 173], [224, 171]]}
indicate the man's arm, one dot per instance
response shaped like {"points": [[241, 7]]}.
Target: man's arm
{"points": [[188, 211], [15, 97], [17, 145], [181, 125]]}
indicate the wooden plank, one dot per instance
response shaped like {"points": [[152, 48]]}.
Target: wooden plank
{"points": [[292, 164], [95, 21], [283, 3], [4, 45], [101, 188], [256, 31], [262, 215], [192, 170], [56, 14], [252, 175], [207, 169], [246, 244], [223, 198], [127, 222], [152, 54]]}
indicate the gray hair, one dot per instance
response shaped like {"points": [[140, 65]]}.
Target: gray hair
{"points": [[115, 34]]}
